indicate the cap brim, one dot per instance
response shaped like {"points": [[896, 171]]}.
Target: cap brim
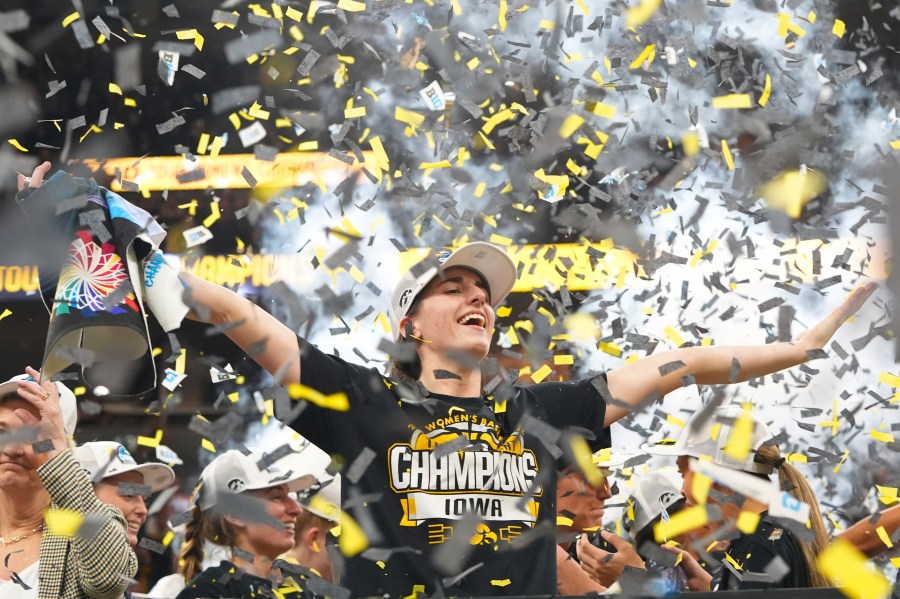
{"points": [[491, 262], [8, 388], [664, 449], [295, 482], [612, 461], [156, 476]]}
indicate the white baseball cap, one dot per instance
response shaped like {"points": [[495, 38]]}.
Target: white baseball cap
{"points": [[490, 261], [233, 472], [607, 460], [709, 439], [326, 502], [104, 459], [653, 495], [67, 404]]}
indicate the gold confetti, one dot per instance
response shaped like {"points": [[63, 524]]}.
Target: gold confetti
{"points": [[683, 521], [15, 143], [335, 401], [839, 28], [648, 54], [607, 111], [847, 568], [584, 458], [541, 373], [726, 153], [151, 441], [351, 538], [63, 523], [641, 13], [767, 91], [740, 441], [6, 312], [71, 19], [408, 117], [352, 5], [792, 190], [747, 522], [732, 101]]}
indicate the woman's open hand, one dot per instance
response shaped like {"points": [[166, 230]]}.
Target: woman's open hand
{"points": [[44, 398], [819, 335]]}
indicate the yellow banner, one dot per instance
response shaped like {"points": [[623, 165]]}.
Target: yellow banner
{"points": [[226, 171]]}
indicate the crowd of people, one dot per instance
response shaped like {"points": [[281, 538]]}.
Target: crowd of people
{"points": [[448, 486]]}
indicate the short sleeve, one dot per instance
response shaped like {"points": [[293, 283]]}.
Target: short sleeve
{"points": [[756, 555], [328, 375], [575, 404]]}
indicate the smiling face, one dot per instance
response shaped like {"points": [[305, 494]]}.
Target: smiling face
{"points": [[580, 501], [15, 469], [133, 507], [453, 313], [264, 540]]}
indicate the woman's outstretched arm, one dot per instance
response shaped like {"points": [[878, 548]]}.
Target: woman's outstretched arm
{"points": [[263, 337], [634, 385]]}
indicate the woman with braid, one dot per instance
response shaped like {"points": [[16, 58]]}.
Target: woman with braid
{"points": [[249, 510]]}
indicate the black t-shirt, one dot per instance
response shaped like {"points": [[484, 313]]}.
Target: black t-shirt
{"points": [[422, 493], [754, 552], [228, 581]]}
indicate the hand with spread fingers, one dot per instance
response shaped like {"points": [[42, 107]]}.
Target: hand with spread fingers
{"points": [[698, 579], [36, 178], [603, 566], [44, 414], [820, 334]]}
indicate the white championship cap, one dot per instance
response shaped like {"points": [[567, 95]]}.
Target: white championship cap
{"points": [[653, 495], [233, 472], [104, 459], [326, 501], [490, 261], [66, 400], [605, 459], [710, 439]]}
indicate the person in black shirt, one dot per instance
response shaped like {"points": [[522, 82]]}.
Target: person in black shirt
{"points": [[248, 509], [734, 447], [460, 471]]}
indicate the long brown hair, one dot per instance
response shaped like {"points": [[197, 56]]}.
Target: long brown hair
{"points": [[203, 526], [789, 476]]}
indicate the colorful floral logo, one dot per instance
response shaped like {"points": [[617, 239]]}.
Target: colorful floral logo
{"points": [[91, 274]]}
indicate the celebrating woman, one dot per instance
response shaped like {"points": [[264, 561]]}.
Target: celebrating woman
{"points": [[464, 472], [39, 476], [119, 480], [251, 512]]}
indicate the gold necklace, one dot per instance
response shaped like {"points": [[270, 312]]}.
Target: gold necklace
{"points": [[18, 538]]}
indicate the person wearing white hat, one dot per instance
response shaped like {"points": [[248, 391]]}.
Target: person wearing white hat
{"points": [[734, 447], [656, 496], [321, 514], [120, 481], [442, 317], [246, 505], [38, 472]]}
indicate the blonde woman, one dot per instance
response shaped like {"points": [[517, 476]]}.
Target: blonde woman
{"points": [[38, 562], [703, 445]]}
